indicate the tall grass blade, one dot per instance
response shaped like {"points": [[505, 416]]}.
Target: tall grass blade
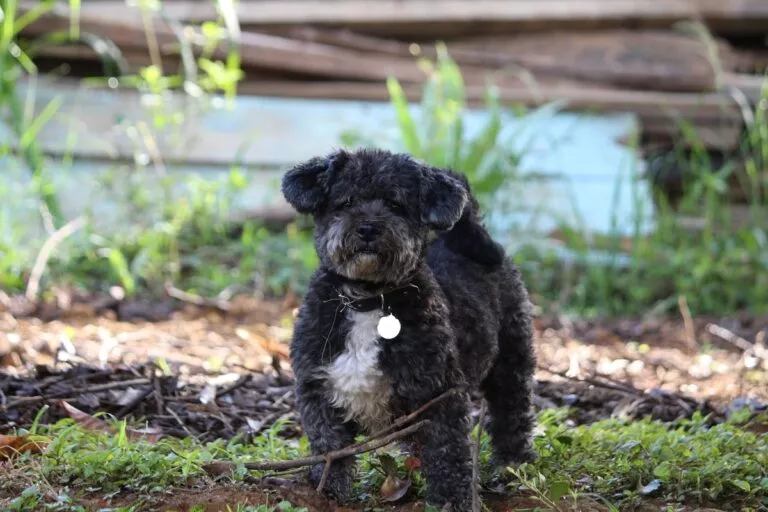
{"points": [[407, 126], [31, 133]]}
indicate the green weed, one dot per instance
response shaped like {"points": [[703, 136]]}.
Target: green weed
{"points": [[719, 265], [627, 462], [14, 62], [622, 462], [438, 135]]}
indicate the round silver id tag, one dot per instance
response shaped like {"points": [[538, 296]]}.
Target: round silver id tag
{"points": [[388, 327]]}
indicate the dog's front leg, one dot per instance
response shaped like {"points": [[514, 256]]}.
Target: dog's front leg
{"points": [[445, 447], [446, 454], [326, 431]]}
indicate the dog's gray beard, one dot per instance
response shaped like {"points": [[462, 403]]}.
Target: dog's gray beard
{"points": [[386, 266]]}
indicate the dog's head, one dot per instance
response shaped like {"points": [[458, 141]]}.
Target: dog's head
{"points": [[374, 210]]}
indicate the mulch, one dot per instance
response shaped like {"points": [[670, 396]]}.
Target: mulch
{"points": [[211, 374]]}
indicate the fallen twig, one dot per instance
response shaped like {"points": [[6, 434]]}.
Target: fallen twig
{"points": [[326, 471], [730, 337], [67, 230], [404, 420], [178, 420], [690, 329], [222, 467], [130, 406], [73, 392], [237, 384], [183, 296], [375, 441], [598, 383], [281, 400], [159, 402]]}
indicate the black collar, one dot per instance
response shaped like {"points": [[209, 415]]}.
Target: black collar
{"points": [[383, 301]]}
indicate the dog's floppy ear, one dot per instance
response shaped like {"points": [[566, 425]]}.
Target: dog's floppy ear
{"points": [[306, 185], [443, 198]]}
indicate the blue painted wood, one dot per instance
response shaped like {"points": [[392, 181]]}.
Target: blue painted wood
{"points": [[579, 159]]}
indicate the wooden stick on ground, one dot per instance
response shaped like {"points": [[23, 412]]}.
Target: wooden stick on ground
{"points": [[326, 471], [730, 337], [222, 467], [615, 386], [375, 441], [690, 329], [74, 392], [404, 420], [183, 296]]}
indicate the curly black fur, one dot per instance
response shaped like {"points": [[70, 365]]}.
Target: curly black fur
{"points": [[383, 221]]}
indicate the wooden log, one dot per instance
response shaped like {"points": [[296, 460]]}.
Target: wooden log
{"points": [[404, 16], [652, 104], [658, 60], [261, 50], [136, 59], [281, 54], [393, 11]]}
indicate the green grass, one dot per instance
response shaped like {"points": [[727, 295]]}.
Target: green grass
{"points": [[623, 463]]}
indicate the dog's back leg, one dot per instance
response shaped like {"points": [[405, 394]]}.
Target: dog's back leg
{"points": [[508, 387]]}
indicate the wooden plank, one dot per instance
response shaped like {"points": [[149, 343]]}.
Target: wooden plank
{"points": [[262, 50], [262, 12], [269, 52], [135, 59], [658, 60], [645, 59]]}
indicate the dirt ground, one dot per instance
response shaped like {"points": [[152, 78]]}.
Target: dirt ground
{"points": [[213, 374]]}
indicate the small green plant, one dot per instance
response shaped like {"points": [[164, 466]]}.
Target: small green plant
{"points": [[14, 63], [438, 136], [627, 462], [719, 266]]}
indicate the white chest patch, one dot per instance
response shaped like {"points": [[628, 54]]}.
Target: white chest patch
{"points": [[356, 383]]}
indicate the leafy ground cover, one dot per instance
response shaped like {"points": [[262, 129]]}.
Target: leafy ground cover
{"points": [[657, 425], [191, 241], [619, 463]]}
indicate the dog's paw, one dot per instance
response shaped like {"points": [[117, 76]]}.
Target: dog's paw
{"points": [[338, 485]]}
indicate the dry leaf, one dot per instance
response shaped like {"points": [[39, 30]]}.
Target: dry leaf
{"points": [[412, 463], [394, 488], [151, 435], [11, 446], [219, 468]]}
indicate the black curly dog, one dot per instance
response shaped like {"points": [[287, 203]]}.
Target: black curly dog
{"points": [[395, 236]]}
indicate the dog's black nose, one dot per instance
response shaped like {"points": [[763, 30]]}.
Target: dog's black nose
{"points": [[367, 232]]}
